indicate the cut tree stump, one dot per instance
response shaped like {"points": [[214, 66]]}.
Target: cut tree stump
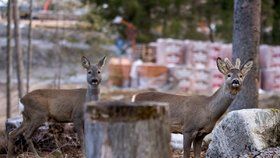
{"points": [[124, 130]]}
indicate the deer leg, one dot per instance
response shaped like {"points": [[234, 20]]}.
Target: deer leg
{"points": [[188, 138], [28, 134], [11, 138], [197, 145], [78, 121], [79, 127]]}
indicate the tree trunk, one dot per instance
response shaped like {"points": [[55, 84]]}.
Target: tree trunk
{"points": [[29, 47], [125, 130], [19, 59], [9, 57], [246, 39]]}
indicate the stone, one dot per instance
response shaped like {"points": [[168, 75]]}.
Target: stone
{"points": [[245, 132], [176, 141], [12, 123]]}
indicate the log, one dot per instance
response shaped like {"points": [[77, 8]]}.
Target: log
{"points": [[123, 130]]}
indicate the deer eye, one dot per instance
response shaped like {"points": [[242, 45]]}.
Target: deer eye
{"points": [[229, 75], [240, 76], [89, 72], [98, 71]]}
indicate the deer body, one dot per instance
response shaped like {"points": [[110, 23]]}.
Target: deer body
{"points": [[53, 101], [196, 116], [184, 109], [57, 105]]}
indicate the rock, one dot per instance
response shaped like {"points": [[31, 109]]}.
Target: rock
{"points": [[12, 123], [269, 152], [245, 132], [176, 141]]}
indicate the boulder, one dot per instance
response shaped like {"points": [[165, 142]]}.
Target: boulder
{"points": [[245, 132]]}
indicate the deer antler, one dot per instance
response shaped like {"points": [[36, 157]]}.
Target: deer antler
{"points": [[237, 63], [228, 63]]}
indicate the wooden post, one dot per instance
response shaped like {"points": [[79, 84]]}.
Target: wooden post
{"points": [[18, 50], [9, 60], [126, 130]]}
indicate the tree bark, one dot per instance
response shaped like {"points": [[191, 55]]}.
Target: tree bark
{"points": [[246, 39], [9, 57], [19, 59], [29, 47], [125, 130]]}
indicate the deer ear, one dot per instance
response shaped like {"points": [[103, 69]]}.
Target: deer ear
{"points": [[222, 66], [101, 62], [247, 67], [85, 62]]}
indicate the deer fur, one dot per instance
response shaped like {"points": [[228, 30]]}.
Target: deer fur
{"points": [[57, 105], [196, 116]]}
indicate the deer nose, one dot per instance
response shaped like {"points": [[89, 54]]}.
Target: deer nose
{"points": [[94, 80], [235, 81]]}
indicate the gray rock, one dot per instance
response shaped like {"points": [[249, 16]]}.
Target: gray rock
{"points": [[245, 132], [12, 123]]}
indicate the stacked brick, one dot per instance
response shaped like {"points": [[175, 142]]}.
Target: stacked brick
{"points": [[198, 72], [190, 66], [270, 67]]}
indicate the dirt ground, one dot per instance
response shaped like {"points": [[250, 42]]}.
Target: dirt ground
{"points": [[59, 141]]}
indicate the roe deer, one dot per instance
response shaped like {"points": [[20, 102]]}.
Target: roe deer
{"points": [[196, 116], [57, 105]]}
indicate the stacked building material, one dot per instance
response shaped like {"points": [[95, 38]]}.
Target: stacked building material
{"points": [[119, 70], [190, 66], [199, 59], [270, 68], [182, 78], [152, 75], [170, 52]]}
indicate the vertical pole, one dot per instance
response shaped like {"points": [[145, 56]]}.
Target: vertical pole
{"points": [[19, 59], [9, 59], [29, 47]]}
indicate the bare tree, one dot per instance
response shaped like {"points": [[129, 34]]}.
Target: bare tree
{"points": [[19, 59], [29, 47], [9, 57], [246, 39]]}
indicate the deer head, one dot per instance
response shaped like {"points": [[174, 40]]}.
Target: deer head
{"points": [[234, 74], [93, 71]]}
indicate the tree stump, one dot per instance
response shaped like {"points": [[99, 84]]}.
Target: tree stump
{"points": [[125, 130]]}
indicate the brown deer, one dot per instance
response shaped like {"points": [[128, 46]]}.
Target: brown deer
{"points": [[57, 105], [196, 116]]}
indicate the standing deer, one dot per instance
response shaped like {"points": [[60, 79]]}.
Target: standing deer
{"points": [[196, 116], [57, 105]]}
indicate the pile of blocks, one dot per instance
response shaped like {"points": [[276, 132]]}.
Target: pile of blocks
{"points": [[190, 66], [270, 67]]}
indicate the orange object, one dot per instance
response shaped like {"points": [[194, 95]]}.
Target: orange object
{"points": [[119, 69], [47, 4], [152, 70]]}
